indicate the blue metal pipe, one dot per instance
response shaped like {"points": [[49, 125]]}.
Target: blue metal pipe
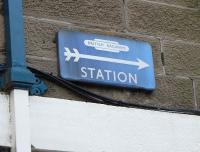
{"points": [[17, 75], [15, 33]]}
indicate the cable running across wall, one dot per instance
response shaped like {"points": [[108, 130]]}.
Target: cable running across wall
{"points": [[95, 98]]}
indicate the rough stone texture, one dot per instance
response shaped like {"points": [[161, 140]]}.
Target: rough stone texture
{"points": [[197, 83], [41, 41], [57, 91], [1, 7], [2, 56], [45, 65], [171, 93], [163, 21], [186, 3], [181, 58], [104, 12]]}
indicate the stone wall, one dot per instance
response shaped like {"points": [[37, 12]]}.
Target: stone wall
{"points": [[172, 27]]}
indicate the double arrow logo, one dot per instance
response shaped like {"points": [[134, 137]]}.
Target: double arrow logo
{"points": [[76, 55]]}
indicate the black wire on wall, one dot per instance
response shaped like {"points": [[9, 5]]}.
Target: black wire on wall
{"points": [[95, 98]]}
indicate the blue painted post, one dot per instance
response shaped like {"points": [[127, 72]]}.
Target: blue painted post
{"points": [[17, 75], [15, 33]]}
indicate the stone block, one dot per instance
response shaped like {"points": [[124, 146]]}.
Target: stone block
{"points": [[45, 65], [163, 21], [3, 54], [197, 84], [171, 93], [184, 3], [181, 58], [103, 12]]}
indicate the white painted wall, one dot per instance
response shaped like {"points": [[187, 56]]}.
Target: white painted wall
{"points": [[74, 126], [5, 128], [86, 127]]}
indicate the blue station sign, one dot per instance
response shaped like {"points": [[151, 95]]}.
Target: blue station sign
{"points": [[105, 60]]}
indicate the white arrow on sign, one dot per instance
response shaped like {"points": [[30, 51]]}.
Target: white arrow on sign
{"points": [[68, 54]]}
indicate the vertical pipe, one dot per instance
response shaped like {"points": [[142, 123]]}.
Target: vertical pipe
{"points": [[17, 75], [14, 32]]}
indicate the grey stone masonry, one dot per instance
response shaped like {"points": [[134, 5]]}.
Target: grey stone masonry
{"points": [[171, 93], [163, 21], [197, 82], [104, 12], [182, 58], [172, 27], [184, 3]]}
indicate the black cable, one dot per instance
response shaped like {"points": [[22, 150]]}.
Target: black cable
{"points": [[95, 98]]}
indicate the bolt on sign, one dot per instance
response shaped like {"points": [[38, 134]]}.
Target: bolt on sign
{"points": [[106, 60]]}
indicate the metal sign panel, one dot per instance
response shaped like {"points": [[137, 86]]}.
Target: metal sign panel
{"points": [[105, 60]]}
